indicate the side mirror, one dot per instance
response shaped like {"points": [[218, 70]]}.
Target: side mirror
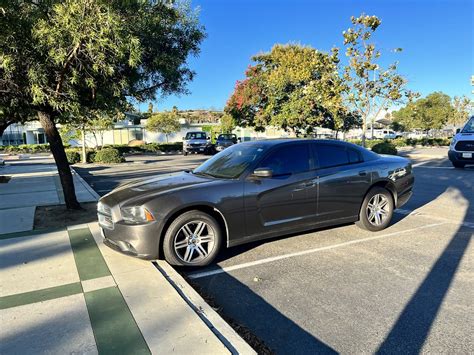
{"points": [[263, 173], [458, 130]]}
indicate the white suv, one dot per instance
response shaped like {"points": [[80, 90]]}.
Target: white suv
{"points": [[461, 150]]}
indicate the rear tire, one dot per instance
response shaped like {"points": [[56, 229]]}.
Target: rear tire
{"points": [[185, 153], [192, 239], [458, 165], [377, 210]]}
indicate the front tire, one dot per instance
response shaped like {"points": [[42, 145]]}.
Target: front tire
{"points": [[377, 210], [192, 239], [458, 165]]}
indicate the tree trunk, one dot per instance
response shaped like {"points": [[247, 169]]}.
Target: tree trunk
{"points": [[57, 148], [364, 131], [4, 126], [84, 156]]}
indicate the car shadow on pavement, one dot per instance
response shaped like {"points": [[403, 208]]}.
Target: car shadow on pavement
{"points": [[413, 326], [249, 310]]}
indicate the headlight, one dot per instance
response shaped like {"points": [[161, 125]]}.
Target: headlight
{"points": [[136, 214], [453, 142], [101, 208]]}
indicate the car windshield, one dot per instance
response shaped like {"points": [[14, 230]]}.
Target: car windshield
{"points": [[231, 163], [225, 136], [196, 135], [469, 127]]}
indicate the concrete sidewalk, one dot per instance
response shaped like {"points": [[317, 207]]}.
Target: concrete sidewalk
{"points": [[34, 181], [63, 291]]}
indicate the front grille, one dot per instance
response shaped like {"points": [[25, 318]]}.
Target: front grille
{"points": [[465, 146]]}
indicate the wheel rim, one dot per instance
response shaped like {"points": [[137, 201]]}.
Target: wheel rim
{"points": [[378, 209], [194, 242]]}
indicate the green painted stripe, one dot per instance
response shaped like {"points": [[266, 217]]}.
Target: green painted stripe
{"points": [[89, 261], [114, 328], [31, 233], [46, 294]]}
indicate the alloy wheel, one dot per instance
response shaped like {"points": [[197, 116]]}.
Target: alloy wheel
{"points": [[378, 209], [194, 241]]}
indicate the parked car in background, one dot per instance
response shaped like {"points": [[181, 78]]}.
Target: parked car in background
{"points": [[461, 149], [252, 191], [384, 134], [225, 140], [197, 142]]}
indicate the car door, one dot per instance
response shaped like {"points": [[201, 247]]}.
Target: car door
{"points": [[288, 198], [343, 180]]}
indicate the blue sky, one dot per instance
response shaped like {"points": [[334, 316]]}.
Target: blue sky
{"points": [[436, 37]]}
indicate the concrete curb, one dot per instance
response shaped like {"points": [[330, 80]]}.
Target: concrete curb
{"points": [[211, 318], [85, 184]]}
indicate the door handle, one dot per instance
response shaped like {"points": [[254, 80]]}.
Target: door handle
{"points": [[362, 173]]}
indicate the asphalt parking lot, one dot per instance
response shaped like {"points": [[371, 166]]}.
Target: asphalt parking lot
{"points": [[407, 289]]}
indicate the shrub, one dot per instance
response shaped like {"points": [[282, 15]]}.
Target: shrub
{"points": [[73, 156], [385, 148], [90, 156], [108, 156]]}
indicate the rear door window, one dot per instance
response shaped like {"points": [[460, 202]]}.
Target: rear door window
{"points": [[286, 160], [331, 155]]}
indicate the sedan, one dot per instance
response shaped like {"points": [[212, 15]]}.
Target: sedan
{"points": [[252, 191]]}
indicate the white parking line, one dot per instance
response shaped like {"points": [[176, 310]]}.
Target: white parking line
{"points": [[430, 216], [198, 275]]}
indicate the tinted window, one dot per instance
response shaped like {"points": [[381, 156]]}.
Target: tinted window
{"points": [[331, 155], [286, 160], [354, 156]]}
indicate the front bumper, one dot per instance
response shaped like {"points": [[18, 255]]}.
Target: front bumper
{"points": [[142, 241], [196, 149], [457, 157]]}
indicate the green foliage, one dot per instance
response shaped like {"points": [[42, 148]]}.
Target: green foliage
{"points": [[26, 148], [431, 112], [292, 86], [385, 148], [73, 156], [108, 156], [405, 142], [164, 122], [462, 107], [227, 123], [370, 87]]}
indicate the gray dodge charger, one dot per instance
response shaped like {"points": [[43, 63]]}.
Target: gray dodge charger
{"points": [[252, 191]]}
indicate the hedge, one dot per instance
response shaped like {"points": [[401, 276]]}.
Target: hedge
{"points": [[385, 148], [108, 156], [73, 156], [406, 142]]}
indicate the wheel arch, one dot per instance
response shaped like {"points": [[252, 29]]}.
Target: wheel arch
{"points": [[206, 208], [386, 184]]}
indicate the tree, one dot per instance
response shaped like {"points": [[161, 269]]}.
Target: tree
{"points": [[58, 58], [431, 112], [462, 107], [164, 122], [227, 123], [292, 86], [371, 88]]}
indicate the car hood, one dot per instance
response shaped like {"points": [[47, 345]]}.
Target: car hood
{"points": [[150, 188]]}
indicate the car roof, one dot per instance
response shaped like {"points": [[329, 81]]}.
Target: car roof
{"points": [[280, 141]]}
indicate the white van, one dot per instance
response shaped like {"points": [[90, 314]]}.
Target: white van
{"points": [[384, 134], [461, 149]]}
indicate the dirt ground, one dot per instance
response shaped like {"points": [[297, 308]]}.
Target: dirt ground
{"points": [[58, 216]]}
